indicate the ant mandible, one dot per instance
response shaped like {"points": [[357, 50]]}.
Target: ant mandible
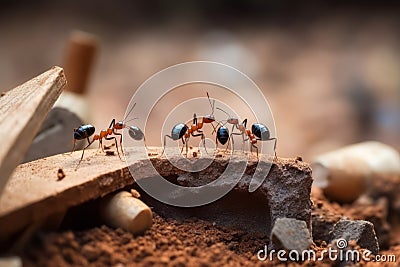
{"points": [[85, 131], [182, 131]]}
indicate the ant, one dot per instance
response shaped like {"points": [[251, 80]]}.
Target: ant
{"points": [[235, 123], [259, 132], [85, 131], [222, 135], [182, 131]]}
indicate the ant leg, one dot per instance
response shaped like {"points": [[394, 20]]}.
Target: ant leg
{"points": [[73, 149], [165, 142], [183, 142], [116, 133], [112, 124], [233, 148], [203, 138], [116, 144], [270, 139], [243, 142], [83, 152], [120, 141], [230, 136], [274, 138], [187, 143], [253, 145], [144, 141], [101, 144], [214, 128], [229, 140], [204, 143]]}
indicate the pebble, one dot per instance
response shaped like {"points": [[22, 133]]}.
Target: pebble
{"points": [[362, 232], [291, 234]]}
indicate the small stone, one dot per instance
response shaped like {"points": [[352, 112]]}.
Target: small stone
{"points": [[60, 174], [360, 231], [291, 234]]}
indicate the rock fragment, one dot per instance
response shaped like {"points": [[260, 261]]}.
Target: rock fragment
{"points": [[285, 192], [291, 234], [362, 232]]}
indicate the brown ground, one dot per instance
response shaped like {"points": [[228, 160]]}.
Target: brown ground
{"points": [[193, 242], [190, 243]]}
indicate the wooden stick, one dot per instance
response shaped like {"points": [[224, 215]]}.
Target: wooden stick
{"points": [[80, 55], [22, 111], [122, 210]]}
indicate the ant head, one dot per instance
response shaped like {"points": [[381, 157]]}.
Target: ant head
{"points": [[233, 120], [209, 117], [119, 125]]}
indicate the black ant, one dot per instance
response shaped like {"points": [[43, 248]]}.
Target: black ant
{"points": [[259, 132], [222, 135], [182, 131], [235, 123], [85, 131]]}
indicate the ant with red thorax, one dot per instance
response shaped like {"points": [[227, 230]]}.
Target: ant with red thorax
{"points": [[259, 132], [85, 131], [182, 131]]}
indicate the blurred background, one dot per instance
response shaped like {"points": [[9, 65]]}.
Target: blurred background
{"points": [[330, 71]]}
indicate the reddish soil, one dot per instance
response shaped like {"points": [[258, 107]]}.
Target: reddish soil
{"points": [[192, 242], [189, 242]]}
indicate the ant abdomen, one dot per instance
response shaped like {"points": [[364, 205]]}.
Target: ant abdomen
{"points": [[136, 133], [84, 131], [178, 131], [223, 135], [261, 131]]}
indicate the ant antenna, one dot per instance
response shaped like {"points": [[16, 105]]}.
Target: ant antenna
{"points": [[229, 116], [129, 113], [132, 119], [223, 124], [212, 105]]}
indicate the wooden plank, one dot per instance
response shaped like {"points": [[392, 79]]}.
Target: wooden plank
{"points": [[35, 190], [22, 111]]}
